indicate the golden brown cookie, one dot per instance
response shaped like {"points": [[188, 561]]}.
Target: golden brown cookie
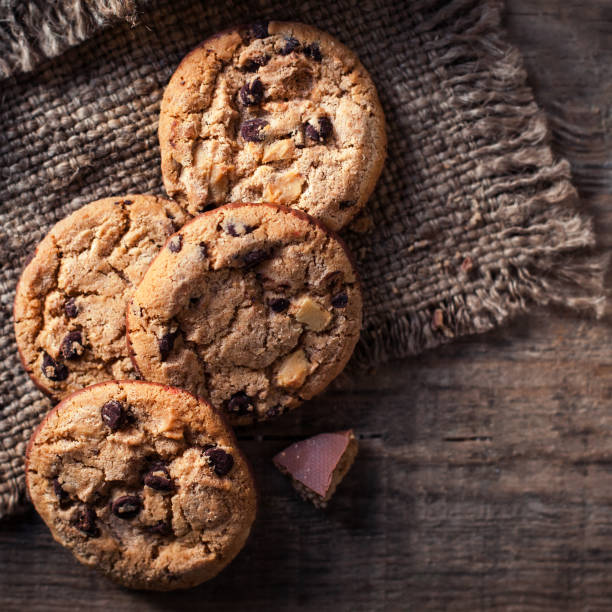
{"points": [[143, 482], [278, 112], [254, 307], [71, 298]]}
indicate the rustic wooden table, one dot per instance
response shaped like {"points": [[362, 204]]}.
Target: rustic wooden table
{"points": [[484, 480]]}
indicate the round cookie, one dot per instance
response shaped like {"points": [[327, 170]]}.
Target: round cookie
{"points": [[254, 307], [278, 112], [71, 298], [143, 482]]}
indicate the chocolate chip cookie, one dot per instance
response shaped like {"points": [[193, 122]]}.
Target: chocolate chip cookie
{"points": [[143, 482], [71, 299], [277, 112], [254, 307]]}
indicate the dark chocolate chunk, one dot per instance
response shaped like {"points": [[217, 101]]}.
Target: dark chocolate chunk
{"points": [[290, 44], [313, 51], [165, 343], [113, 414], [62, 495], [314, 462], [126, 506], [175, 244], [163, 528], [204, 250], [72, 345], [259, 29], [194, 300], [252, 258], [321, 132], [221, 461], [252, 130], [70, 308], [346, 204], [85, 520], [340, 300], [278, 304], [252, 93], [253, 64], [158, 478], [53, 370], [239, 403]]}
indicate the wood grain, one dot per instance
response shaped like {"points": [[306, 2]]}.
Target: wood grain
{"points": [[484, 479]]}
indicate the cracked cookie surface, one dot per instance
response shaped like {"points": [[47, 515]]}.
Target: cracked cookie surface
{"points": [[277, 112], [70, 301], [143, 482], [254, 307]]}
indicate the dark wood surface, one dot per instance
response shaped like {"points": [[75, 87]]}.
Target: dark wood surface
{"points": [[484, 480]]}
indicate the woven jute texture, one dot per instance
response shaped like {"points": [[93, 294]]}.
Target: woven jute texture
{"points": [[473, 221]]}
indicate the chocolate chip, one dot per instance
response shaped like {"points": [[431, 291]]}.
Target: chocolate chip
{"points": [[221, 461], [259, 29], [313, 51], [203, 250], [194, 300], [85, 520], [290, 44], [340, 300], [72, 345], [239, 403], [53, 370], [230, 228], [62, 496], [325, 127], [252, 93], [113, 414], [175, 244], [70, 308], [253, 130], [252, 258], [346, 204], [163, 528], [126, 506], [278, 304], [158, 478], [165, 343], [322, 131], [274, 411], [253, 64]]}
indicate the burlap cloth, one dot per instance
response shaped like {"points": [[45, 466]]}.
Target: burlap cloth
{"points": [[473, 220]]}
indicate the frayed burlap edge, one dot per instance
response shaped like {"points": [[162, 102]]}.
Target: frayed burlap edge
{"points": [[571, 276], [38, 29]]}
